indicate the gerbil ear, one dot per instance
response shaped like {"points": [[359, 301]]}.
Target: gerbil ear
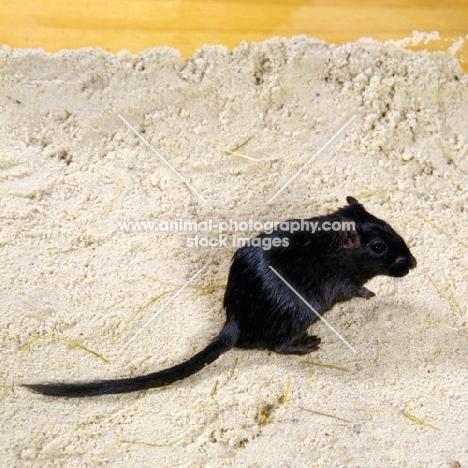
{"points": [[352, 201], [351, 239]]}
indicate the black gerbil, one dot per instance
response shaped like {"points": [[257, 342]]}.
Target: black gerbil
{"points": [[325, 267]]}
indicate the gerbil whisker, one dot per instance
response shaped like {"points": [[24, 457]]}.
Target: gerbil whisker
{"points": [[390, 286]]}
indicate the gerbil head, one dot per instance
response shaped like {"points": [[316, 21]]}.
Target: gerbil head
{"points": [[373, 245]]}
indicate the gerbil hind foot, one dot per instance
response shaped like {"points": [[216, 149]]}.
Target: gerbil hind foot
{"points": [[365, 293], [303, 345]]}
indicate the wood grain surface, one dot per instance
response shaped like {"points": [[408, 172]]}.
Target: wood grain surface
{"points": [[187, 24]]}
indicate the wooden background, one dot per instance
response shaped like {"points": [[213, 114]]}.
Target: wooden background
{"points": [[187, 24]]}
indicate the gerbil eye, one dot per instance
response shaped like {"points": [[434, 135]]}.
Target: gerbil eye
{"points": [[379, 248]]}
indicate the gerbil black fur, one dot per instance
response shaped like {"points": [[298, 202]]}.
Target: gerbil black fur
{"points": [[325, 267]]}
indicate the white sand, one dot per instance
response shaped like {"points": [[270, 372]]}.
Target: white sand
{"points": [[70, 169]]}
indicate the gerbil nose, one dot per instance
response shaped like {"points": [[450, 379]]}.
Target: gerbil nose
{"points": [[410, 260]]}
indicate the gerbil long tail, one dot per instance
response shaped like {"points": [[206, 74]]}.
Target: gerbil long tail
{"points": [[226, 340]]}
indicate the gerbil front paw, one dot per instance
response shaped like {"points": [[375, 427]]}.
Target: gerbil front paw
{"points": [[365, 293]]}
